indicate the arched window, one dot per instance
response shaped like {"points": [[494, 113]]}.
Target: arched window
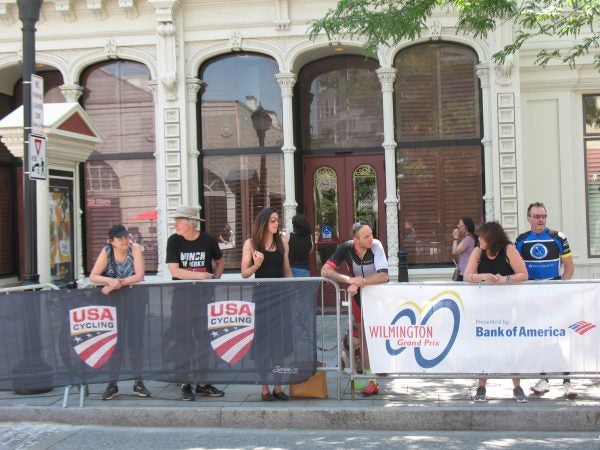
{"points": [[241, 138], [120, 176], [440, 157], [340, 104]]}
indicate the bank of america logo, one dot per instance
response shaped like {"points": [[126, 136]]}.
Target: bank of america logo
{"points": [[231, 329], [582, 327], [94, 333]]}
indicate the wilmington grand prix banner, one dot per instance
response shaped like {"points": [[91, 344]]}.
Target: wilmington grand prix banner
{"points": [[464, 328], [211, 332]]}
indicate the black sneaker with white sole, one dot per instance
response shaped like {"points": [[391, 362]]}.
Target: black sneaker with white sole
{"points": [[208, 390], [140, 389], [111, 391]]}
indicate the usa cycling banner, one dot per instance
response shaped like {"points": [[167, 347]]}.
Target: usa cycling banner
{"points": [[477, 329], [211, 332]]}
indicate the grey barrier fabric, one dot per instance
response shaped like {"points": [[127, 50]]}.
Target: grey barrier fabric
{"points": [[210, 332]]}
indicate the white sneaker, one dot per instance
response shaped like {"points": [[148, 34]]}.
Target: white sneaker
{"points": [[569, 391], [541, 387]]}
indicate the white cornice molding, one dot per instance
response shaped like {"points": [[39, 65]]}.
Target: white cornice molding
{"points": [[97, 6], [65, 7], [164, 9], [130, 8], [7, 16]]}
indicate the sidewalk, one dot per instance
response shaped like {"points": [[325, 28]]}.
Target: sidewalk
{"points": [[402, 404]]}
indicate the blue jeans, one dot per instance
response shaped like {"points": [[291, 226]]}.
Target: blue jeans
{"points": [[299, 273]]}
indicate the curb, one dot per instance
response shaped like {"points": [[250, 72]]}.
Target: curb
{"points": [[567, 419]]}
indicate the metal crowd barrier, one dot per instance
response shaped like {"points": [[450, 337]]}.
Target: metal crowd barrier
{"points": [[323, 334], [355, 374]]}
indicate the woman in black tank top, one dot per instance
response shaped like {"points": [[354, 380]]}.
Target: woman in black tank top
{"points": [[496, 261], [265, 255]]}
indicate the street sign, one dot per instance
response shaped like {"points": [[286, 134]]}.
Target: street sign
{"points": [[37, 105], [37, 158]]}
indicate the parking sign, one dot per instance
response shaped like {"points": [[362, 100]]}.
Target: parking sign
{"points": [[37, 158]]}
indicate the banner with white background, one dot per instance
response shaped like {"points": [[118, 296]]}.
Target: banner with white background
{"points": [[465, 328]]}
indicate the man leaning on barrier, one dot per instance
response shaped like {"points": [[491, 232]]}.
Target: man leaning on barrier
{"points": [[545, 252], [368, 264], [190, 256]]}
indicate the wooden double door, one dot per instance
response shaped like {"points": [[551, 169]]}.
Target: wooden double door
{"points": [[340, 190]]}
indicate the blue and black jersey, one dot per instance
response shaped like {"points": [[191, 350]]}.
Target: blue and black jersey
{"points": [[542, 253]]}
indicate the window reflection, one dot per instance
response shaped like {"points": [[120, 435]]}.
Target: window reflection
{"points": [[341, 104], [437, 92], [120, 178], [121, 191], [591, 106], [364, 181], [233, 197], [326, 213], [241, 108], [439, 180], [241, 103]]}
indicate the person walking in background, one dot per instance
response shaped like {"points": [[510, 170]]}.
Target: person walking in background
{"points": [[496, 261], [545, 252], [368, 264], [190, 256], [265, 255], [465, 230], [120, 263], [301, 244]]}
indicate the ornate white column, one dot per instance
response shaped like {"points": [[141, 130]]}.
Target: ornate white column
{"points": [[71, 92], [286, 83], [171, 158], [387, 76], [166, 46], [193, 86], [483, 72], [43, 230]]}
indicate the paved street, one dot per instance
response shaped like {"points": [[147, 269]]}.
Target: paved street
{"points": [[65, 437]]}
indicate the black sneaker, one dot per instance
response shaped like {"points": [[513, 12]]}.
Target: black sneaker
{"points": [[140, 389], [186, 393], [111, 391], [208, 390], [480, 395], [519, 395]]}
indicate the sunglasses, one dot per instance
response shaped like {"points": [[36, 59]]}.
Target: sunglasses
{"points": [[358, 225]]}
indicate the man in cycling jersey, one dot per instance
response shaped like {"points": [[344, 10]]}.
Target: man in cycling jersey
{"points": [[367, 263]]}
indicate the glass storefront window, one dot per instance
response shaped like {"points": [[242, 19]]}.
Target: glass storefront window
{"points": [[364, 181], [241, 103], [241, 108], [591, 105], [440, 177], [437, 93], [236, 189], [120, 177], [341, 104], [326, 218]]}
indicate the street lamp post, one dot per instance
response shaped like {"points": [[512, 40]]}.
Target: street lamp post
{"points": [[29, 14], [31, 375]]}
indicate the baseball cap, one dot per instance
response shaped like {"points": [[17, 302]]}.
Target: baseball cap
{"points": [[117, 231]]}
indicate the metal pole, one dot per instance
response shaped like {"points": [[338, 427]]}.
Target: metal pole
{"points": [[33, 370], [29, 14]]}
